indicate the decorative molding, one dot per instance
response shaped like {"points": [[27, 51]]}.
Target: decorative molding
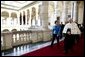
{"points": [[9, 8]]}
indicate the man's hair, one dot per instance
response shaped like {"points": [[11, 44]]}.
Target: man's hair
{"points": [[58, 18], [69, 30], [56, 21]]}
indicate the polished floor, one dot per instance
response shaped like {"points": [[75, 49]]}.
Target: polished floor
{"points": [[19, 50]]}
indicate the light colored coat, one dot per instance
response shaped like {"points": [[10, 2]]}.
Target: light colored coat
{"points": [[74, 28]]}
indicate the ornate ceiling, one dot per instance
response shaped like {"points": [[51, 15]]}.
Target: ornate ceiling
{"points": [[14, 4]]}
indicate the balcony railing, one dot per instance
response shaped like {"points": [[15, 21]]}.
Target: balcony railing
{"points": [[14, 38]]}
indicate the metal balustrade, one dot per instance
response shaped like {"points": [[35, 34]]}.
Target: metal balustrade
{"points": [[15, 38]]}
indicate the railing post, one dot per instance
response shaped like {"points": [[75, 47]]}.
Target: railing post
{"points": [[7, 38]]}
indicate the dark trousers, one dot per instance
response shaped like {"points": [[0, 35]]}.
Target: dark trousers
{"points": [[55, 37], [61, 35], [68, 42], [76, 37]]}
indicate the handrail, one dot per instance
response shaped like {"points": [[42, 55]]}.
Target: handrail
{"points": [[15, 38]]}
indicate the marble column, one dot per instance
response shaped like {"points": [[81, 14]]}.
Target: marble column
{"points": [[64, 13], [40, 14], [75, 13], [29, 18], [56, 10], [44, 14], [81, 12], [72, 9], [18, 18], [22, 18], [25, 17]]}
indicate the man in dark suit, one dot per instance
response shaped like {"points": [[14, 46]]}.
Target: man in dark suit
{"points": [[62, 26]]}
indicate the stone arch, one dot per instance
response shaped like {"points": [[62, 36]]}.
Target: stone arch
{"points": [[13, 15], [5, 14], [14, 30], [5, 30]]}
